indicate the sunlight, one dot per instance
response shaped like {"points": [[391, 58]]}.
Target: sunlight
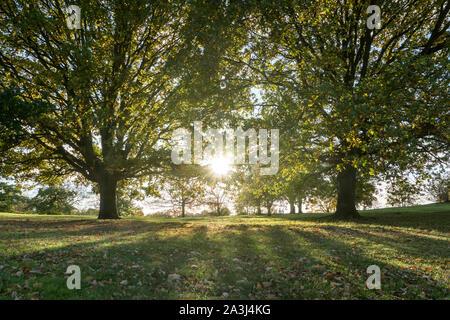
{"points": [[220, 165]]}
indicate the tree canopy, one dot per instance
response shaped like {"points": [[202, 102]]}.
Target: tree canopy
{"points": [[111, 92], [355, 99]]}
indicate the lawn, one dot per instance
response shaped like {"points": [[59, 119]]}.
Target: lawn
{"points": [[242, 257]]}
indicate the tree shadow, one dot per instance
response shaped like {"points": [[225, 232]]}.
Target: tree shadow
{"points": [[437, 221], [180, 260], [350, 263]]}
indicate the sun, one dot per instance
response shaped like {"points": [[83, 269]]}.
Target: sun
{"points": [[220, 166]]}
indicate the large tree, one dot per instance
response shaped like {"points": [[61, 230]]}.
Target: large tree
{"points": [[105, 98], [355, 99]]}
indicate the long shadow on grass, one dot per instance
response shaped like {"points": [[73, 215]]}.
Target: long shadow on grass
{"points": [[121, 265], [81, 227], [437, 221], [351, 265], [166, 261], [404, 243]]}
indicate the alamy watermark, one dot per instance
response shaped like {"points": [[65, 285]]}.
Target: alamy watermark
{"points": [[374, 20], [74, 280], [233, 149], [74, 17], [374, 281]]}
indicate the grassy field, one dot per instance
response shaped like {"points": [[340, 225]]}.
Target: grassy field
{"points": [[242, 257]]}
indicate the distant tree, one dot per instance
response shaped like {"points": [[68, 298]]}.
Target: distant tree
{"points": [[261, 191], [290, 194], [225, 211], [439, 187], [296, 186], [11, 198], [184, 185], [216, 196], [245, 201], [53, 200], [365, 193], [89, 212], [266, 188], [322, 197], [243, 196], [126, 202], [403, 192]]}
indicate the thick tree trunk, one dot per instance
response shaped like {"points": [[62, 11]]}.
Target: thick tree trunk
{"points": [[346, 185], [108, 208]]}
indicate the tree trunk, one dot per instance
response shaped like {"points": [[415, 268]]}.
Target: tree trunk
{"points": [[292, 206], [183, 206], [269, 210], [108, 208], [300, 203], [346, 185], [258, 210], [443, 196]]}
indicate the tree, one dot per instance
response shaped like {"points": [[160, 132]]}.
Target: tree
{"points": [[298, 185], [184, 185], [355, 99], [216, 197], [260, 190], [403, 192], [89, 212], [245, 202], [105, 98], [11, 198], [127, 194], [244, 198], [290, 193], [439, 187], [322, 195], [53, 200], [322, 192], [365, 193]]}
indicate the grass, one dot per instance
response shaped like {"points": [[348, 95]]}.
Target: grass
{"points": [[241, 257]]}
